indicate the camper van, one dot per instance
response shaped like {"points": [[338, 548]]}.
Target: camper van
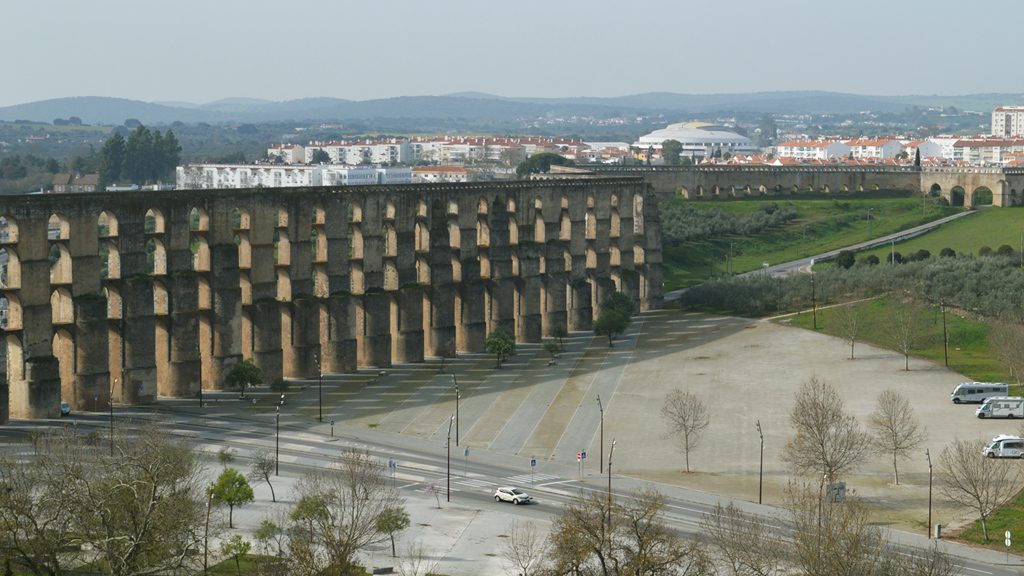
{"points": [[1005, 446], [1001, 407], [977, 392]]}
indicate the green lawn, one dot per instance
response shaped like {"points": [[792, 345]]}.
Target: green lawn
{"points": [[989, 227], [1009, 517], [822, 225], [969, 351]]}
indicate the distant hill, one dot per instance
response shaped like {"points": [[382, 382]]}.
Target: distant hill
{"points": [[478, 106]]}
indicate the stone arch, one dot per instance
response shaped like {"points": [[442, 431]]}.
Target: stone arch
{"points": [[684, 192], [390, 239], [318, 251], [282, 217], [590, 224], [156, 257], [935, 190], [389, 210], [154, 222], [982, 196], [63, 349], [114, 302], [481, 206], [483, 228], [564, 223], [15, 357], [10, 268], [539, 225], [615, 221], [746, 190], [60, 263], [825, 189], [794, 189], [106, 225], [58, 227], [957, 196], [778, 188], [200, 248], [700, 191], [62, 306], [844, 188], [638, 214], [614, 255], [198, 220], [762, 190], [110, 261], [8, 230], [875, 188], [13, 320]]}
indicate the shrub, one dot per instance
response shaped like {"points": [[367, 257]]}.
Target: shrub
{"points": [[985, 251], [947, 253], [845, 259], [1005, 250], [872, 260]]}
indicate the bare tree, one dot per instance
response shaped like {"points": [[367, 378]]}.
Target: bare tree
{"points": [[967, 478], [629, 538], [894, 428], [833, 538], [828, 440], [745, 544], [1007, 341], [906, 329], [687, 418], [849, 322], [415, 561], [337, 512], [524, 550], [262, 468]]}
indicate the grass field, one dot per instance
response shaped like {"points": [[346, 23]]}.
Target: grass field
{"points": [[822, 224], [989, 227], [969, 351]]}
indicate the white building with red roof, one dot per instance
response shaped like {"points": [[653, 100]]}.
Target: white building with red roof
{"points": [[288, 153], [1008, 121], [881, 148], [812, 149]]}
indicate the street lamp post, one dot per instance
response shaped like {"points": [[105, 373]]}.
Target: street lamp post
{"points": [[870, 222], [945, 338], [320, 387], [448, 490], [112, 387], [610, 452], [760, 473], [600, 452], [458, 396], [814, 299], [206, 531], [928, 455], [277, 441]]}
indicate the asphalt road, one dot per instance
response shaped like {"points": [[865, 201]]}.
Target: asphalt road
{"points": [[423, 464]]}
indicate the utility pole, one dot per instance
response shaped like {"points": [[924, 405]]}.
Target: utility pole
{"points": [[760, 473], [814, 299], [457, 397], [610, 452], [320, 386], [600, 452], [945, 338], [206, 531], [112, 387], [277, 442]]}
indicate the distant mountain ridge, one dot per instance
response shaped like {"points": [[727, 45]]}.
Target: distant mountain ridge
{"points": [[480, 106]]}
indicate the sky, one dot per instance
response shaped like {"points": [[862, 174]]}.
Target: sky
{"points": [[204, 50]]}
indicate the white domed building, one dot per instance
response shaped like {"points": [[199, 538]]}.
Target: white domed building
{"points": [[699, 139]]}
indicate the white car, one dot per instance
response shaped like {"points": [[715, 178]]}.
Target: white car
{"points": [[65, 409], [510, 494]]}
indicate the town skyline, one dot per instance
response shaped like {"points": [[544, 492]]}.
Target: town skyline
{"points": [[192, 52]]}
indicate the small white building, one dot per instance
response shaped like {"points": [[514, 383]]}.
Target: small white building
{"points": [[812, 149], [874, 148], [219, 176], [393, 151], [435, 174], [288, 153], [986, 151]]}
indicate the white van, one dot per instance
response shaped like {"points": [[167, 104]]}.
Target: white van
{"points": [[977, 391], [1005, 446], [1001, 407]]}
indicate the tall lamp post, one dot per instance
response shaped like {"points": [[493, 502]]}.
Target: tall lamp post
{"points": [[760, 472], [206, 530], [320, 386], [448, 490], [928, 455], [112, 387], [277, 441], [814, 299], [458, 396], [945, 339], [600, 452], [610, 452]]}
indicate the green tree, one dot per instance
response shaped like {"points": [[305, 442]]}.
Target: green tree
{"points": [[670, 151], [245, 373], [552, 348], [620, 303], [541, 163], [320, 156], [558, 333], [390, 521], [501, 344], [233, 489], [138, 156], [917, 158], [235, 548], [610, 323], [262, 467], [169, 155], [845, 259]]}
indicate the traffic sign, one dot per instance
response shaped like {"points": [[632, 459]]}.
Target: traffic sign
{"points": [[584, 453], [533, 462], [1008, 540], [466, 453]]}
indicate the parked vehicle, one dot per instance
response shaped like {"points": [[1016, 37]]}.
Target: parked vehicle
{"points": [[1001, 407], [1005, 446], [65, 409], [977, 391], [513, 495]]}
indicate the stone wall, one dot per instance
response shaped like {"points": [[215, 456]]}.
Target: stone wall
{"points": [[132, 297]]}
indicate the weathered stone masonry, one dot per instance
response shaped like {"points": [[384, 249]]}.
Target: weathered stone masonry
{"points": [[143, 295]]}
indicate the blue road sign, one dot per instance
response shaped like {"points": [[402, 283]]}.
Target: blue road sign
{"points": [[533, 462], [584, 454]]}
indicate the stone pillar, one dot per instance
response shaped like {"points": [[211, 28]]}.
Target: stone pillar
{"points": [[185, 366], [409, 343], [266, 334], [651, 282], [442, 290], [472, 330], [554, 286], [529, 288], [31, 396], [375, 344], [5, 397], [92, 375], [226, 290], [341, 353], [580, 312], [138, 330], [305, 332], [501, 287], [42, 392]]}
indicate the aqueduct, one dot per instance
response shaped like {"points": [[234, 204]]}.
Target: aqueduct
{"points": [[960, 185], [131, 297]]}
